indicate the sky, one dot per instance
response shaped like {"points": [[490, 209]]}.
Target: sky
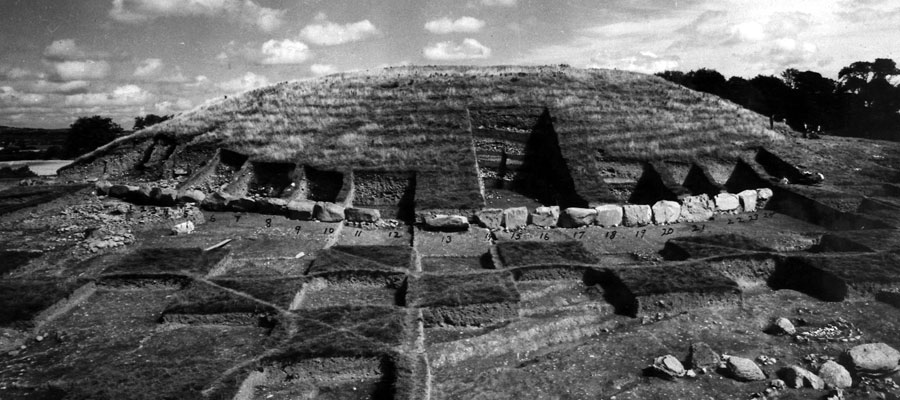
{"points": [[61, 59]]}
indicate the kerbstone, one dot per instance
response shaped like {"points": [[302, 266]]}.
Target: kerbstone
{"points": [[696, 209], [666, 212], [636, 215], [545, 216], [362, 215], [748, 200], [301, 209], [328, 212], [443, 222], [727, 202], [574, 217], [491, 218], [515, 217], [609, 215]]}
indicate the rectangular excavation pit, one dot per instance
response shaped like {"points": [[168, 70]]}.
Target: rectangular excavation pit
{"points": [[322, 185], [363, 258], [799, 206], [835, 277], [202, 303], [276, 180], [456, 265], [869, 240], [546, 254], [212, 176], [350, 378], [263, 268], [391, 193], [280, 291], [346, 331], [25, 303], [747, 269], [168, 261], [883, 208], [704, 246], [465, 300], [666, 289], [349, 287]]}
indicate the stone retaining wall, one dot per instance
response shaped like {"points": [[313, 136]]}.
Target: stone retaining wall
{"points": [[664, 212]]}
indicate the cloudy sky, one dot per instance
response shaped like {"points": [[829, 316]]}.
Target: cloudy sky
{"points": [[60, 59]]}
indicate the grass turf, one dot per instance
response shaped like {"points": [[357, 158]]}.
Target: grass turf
{"points": [[461, 290], [528, 253]]}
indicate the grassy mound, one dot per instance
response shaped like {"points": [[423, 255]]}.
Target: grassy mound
{"points": [[423, 119]]}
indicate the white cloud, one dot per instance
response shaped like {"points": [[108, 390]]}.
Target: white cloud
{"points": [[63, 49], [247, 82], [447, 25], [44, 86], [748, 32], [451, 51], [128, 95], [645, 62], [245, 11], [168, 106], [148, 67], [284, 52], [68, 50], [16, 73], [81, 70], [9, 97], [330, 33], [322, 69], [505, 3]]}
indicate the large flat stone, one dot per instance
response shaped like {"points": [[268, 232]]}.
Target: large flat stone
{"points": [[609, 215], [362, 215], [545, 216], [515, 217], [491, 218], [748, 200], [574, 217], [636, 215], [666, 212], [443, 222], [300, 209], [727, 202], [696, 209], [328, 212]]}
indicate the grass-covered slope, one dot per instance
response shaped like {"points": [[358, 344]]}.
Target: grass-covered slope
{"points": [[422, 119]]}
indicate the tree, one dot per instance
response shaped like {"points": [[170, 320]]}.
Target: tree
{"points": [[89, 133], [707, 80], [871, 100], [149, 120]]}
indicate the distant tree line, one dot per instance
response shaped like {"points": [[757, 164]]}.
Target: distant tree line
{"points": [[863, 102], [88, 133]]}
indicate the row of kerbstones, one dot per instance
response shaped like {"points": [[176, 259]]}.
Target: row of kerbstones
{"points": [[296, 209], [691, 209]]}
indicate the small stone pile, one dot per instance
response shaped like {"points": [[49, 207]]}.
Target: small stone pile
{"points": [[870, 365]]}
